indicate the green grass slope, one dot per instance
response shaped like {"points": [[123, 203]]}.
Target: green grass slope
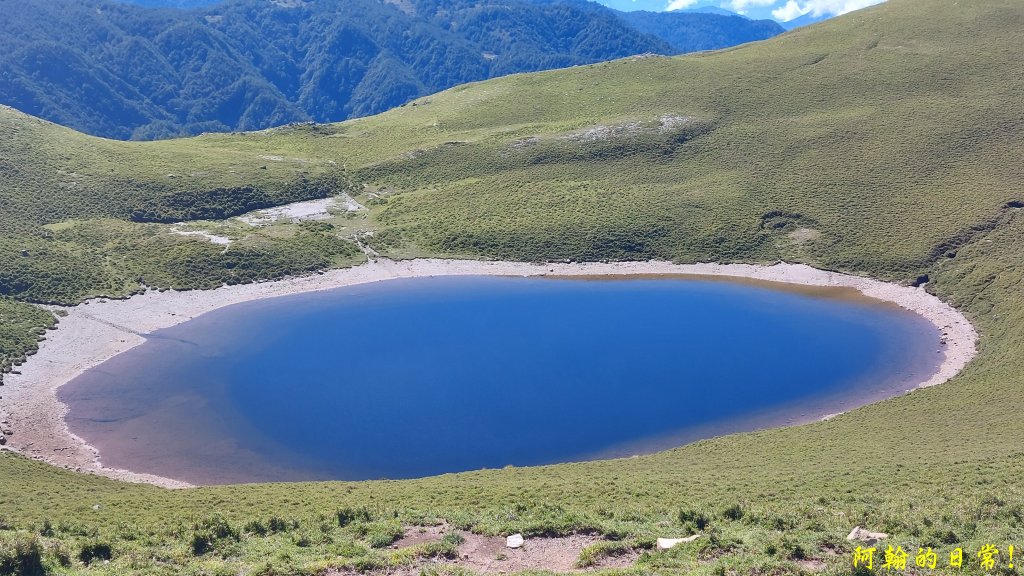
{"points": [[886, 142]]}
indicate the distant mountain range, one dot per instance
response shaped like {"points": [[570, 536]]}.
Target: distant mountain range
{"points": [[133, 72], [693, 31], [710, 10], [805, 20], [186, 4]]}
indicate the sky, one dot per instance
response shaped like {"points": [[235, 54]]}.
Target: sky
{"points": [[781, 10]]}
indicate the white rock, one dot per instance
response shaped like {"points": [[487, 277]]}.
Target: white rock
{"points": [[515, 541], [863, 535], [666, 543]]}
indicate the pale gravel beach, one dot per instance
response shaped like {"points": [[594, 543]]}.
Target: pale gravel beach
{"points": [[100, 329]]}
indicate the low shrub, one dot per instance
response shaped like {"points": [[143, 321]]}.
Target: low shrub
{"points": [[349, 515], [22, 557], [593, 554], [383, 534], [452, 539], [734, 512], [256, 528], [212, 533], [694, 518], [95, 551], [793, 550], [276, 525], [447, 547]]}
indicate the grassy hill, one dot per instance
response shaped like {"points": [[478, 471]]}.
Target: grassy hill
{"points": [[885, 142]]}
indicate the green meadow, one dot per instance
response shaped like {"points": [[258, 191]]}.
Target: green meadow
{"points": [[887, 142]]}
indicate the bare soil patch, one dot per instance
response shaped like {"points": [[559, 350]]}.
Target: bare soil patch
{"points": [[417, 535], [811, 565], [489, 554]]}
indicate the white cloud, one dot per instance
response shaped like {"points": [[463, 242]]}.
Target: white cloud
{"points": [[679, 4], [740, 6], [793, 8]]}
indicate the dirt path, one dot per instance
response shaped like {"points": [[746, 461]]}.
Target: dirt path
{"points": [[490, 555]]}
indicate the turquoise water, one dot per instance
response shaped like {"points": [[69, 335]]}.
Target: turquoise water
{"points": [[409, 378]]}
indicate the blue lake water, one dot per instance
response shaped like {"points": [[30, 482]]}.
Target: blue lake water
{"points": [[409, 378]]}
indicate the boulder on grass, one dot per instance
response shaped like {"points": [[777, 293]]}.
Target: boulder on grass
{"points": [[515, 541], [861, 535], [666, 543]]}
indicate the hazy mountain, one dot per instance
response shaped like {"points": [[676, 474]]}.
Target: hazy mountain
{"points": [[630, 5], [804, 20], [711, 10]]}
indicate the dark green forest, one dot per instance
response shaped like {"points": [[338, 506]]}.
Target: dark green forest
{"points": [[147, 72]]}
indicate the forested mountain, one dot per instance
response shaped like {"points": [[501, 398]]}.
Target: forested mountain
{"points": [[129, 72], [172, 3], [693, 31]]}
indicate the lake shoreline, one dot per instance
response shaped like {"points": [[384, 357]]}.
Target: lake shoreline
{"points": [[98, 330]]}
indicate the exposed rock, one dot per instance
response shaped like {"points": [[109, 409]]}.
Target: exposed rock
{"points": [[666, 543], [669, 122], [515, 541], [862, 535], [525, 142]]}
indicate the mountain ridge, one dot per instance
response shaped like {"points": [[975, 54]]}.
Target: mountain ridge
{"points": [[127, 72]]}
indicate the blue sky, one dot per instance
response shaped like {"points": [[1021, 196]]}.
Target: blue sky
{"points": [[778, 9]]}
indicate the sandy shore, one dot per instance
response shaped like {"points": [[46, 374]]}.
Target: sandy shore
{"points": [[98, 330]]}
